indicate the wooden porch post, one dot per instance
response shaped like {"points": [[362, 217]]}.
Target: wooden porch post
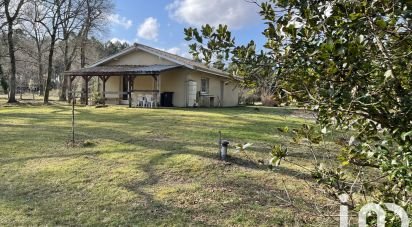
{"points": [[129, 90], [155, 88], [104, 90], [87, 78], [158, 89], [104, 80]]}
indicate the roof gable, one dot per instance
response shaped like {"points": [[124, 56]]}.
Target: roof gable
{"points": [[191, 64], [139, 57]]}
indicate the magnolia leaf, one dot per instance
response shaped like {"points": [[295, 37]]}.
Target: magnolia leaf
{"points": [[284, 129], [354, 16], [351, 140], [405, 134], [277, 163], [242, 147], [370, 154], [388, 74], [245, 146], [381, 23], [361, 38], [345, 163]]}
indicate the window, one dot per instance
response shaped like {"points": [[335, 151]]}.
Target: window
{"points": [[204, 89]]}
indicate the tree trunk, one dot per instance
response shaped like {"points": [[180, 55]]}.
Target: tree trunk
{"points": [[83, 83], [67, 66], [12, 85], [63, 90], [10, 20], [40, 73], [83, 64], [49, 70]]}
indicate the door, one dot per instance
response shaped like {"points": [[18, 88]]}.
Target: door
{"points": [[191, 93], [124, 87]]}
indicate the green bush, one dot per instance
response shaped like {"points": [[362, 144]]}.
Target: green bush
{"points": [[4, 85]]}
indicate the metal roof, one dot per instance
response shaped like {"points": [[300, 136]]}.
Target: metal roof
{"points": [[168, 56], [120, 70]]}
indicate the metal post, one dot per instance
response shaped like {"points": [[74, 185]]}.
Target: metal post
{"points": [[70, 90], [223, 151], [220, 142], [74, 98]]}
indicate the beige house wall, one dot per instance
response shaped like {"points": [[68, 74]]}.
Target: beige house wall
{"points": [[140, 58], [171, 81], [112, 89], [230, 95], [143, 83], [174, 81]]}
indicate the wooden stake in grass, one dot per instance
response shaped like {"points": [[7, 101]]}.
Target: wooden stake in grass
{"points": [[73, 100], [220, 142]]}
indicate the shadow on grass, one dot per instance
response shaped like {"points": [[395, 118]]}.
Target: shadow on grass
{"points": [[150, 141], [220, 185]]}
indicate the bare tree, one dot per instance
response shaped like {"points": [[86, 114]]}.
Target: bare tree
{"points": [[11, 17], [51, 22], [33, 12], [72, 21], [96, 11]]}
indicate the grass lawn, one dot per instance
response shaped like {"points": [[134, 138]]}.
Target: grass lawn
{"points": [[149, 167]]}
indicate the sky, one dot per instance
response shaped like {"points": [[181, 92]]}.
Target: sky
{"points": [[160, 23]]}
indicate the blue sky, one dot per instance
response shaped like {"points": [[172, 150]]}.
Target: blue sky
{"points": [[160, 23]]}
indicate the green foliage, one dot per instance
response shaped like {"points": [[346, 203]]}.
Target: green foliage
{"points": [[278, 153], [97, 98], [256, 69], [353, 59], [3, 82], [217, 49], [333, 178], [310, 133], [284, 129], [111, 48]]}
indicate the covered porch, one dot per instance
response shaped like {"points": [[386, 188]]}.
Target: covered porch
{"points": [[125, 87]]}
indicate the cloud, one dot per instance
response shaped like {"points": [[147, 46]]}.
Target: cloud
{"points": [[235, 13], [114, 40], [149, 29], [116, 19], [174, 50], [181, 51]]}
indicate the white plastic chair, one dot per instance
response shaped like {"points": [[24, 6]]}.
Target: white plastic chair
{"points": [[135, 100], [149, 101], [140, 101]]}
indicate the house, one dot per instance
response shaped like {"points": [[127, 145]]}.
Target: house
{"points": [[167, 79]]}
